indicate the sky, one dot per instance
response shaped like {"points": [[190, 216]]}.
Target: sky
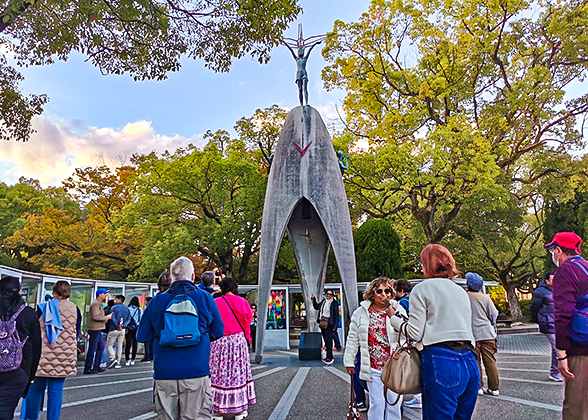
{"points": [[93, 118]]}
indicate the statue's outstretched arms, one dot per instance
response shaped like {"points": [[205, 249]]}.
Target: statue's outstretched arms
{"points": [[291, 51], [311, 47]]}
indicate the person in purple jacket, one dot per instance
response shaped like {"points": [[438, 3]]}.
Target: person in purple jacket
{"points": [[570, 284]]}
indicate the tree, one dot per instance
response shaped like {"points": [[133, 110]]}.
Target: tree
{"points": [[145, 39], [567, 216], [377, 251], [199, 202], [457, 103], [25, 198]]}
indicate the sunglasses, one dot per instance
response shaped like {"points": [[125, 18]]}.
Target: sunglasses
{"points": [[380, 291], [329, 294]]}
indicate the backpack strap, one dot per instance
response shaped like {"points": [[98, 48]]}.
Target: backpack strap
{"points": [[17, 313], [235, 316], [579, 264]]}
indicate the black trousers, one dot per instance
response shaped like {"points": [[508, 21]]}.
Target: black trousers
{"points": [[131, 337], [328, 337], [12, 386]]}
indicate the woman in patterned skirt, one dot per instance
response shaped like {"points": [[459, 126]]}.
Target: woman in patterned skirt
{"points": [[230, 371]]}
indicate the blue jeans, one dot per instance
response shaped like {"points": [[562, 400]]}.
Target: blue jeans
{"points": [[359, 385], [54, 388], [450, 380], [95, 349]]}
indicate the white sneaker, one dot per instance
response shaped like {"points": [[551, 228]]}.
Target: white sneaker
{"points": [[493, 392], [133, 362], [128, 363], [414, 403], [481, 391]]}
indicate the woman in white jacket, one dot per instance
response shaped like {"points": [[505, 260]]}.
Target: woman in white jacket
{"points": [[372, 333]]}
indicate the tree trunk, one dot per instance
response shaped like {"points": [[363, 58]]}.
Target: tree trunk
{"points": [[516, 314]]}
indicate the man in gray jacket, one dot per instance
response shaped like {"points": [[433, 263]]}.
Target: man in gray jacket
{"points": [[484, 315]]}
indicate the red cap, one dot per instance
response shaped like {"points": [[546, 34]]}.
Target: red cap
{"points": [[566, 240]]}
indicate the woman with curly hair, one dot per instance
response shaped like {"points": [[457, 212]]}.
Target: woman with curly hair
{"points": [[230, 370], [372, 333]]}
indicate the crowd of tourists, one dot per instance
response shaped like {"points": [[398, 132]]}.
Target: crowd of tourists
{"points": [[199, 339]]}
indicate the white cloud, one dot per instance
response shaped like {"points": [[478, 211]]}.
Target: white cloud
{"points": [[55, 150]]}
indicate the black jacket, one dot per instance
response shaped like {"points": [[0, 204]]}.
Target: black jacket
{"points": [[27, 325], [333, 318], [542, 309]]}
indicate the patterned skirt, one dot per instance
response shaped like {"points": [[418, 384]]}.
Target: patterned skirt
{"points": [[230, 375]]}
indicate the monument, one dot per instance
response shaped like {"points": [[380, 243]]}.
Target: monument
{"points": [[306, 198]]}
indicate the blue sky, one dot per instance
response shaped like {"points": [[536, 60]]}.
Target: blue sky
{"points": [[91, 117]]}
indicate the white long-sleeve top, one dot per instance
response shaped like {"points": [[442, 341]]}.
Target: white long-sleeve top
{"points": [[440, 311]]}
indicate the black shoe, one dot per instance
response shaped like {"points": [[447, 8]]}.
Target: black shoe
{"points": [[100, 370], [90, 372]]}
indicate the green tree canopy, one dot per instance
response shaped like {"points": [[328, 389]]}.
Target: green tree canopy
{"points": [[451, 103], [145, 39], [377, 251]]}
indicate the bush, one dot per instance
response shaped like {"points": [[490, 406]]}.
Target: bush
{"points": [[525, 307], [377, 251]]}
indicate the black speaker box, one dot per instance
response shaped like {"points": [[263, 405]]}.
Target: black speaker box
{"points": [[310, 346]]}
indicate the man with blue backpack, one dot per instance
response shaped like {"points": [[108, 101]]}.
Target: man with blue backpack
{"points": [[182, 322], [570, 296]]}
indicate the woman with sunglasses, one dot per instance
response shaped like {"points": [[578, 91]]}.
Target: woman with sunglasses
{"points": [[329, 312], [372, 333], [440, 323]]}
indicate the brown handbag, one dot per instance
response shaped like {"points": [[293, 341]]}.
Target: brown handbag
{"points": [[401, 373], [324, 322]]}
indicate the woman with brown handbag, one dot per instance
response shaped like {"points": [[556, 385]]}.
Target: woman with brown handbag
{"points": [[440, 323], [372, 333]]}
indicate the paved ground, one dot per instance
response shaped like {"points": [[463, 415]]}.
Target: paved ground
{"points": [[288, 389]]}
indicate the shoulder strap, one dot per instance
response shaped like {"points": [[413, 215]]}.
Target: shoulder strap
{"points": [[579, 264], [235, 316], [483, 310], [17, 313]]}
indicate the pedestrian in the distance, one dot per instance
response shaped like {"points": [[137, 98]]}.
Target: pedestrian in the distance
{"points": [[121, 316], [440, 322], [96, 323], [543, 313], [18, 361], [131, 331], [570, 297], [484, 315], [328, 320], [230, 370], [253, 326], [149, 344], [61, 322]]}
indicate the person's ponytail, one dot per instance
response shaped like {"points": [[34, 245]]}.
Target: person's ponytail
{"points": [[10, 298]]}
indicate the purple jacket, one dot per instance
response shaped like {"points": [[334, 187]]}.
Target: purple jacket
{"points": [[570, 282]]}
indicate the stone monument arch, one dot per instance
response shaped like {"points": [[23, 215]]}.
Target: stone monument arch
{"points": [[306, 198]]}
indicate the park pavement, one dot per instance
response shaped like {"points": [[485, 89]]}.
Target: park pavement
{"points": [[289, 389]]}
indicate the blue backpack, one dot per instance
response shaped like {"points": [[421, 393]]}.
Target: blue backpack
{"points": [[180, 323], [578, 327]]}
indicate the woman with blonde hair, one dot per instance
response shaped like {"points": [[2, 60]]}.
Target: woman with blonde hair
{"points": [[440, 322], [372, 333]]}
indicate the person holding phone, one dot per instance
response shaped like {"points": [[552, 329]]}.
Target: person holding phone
{"points": [[372, 333], [328, 320]]}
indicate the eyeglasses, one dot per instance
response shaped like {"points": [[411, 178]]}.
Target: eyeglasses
{"points": [[380, 291]]}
